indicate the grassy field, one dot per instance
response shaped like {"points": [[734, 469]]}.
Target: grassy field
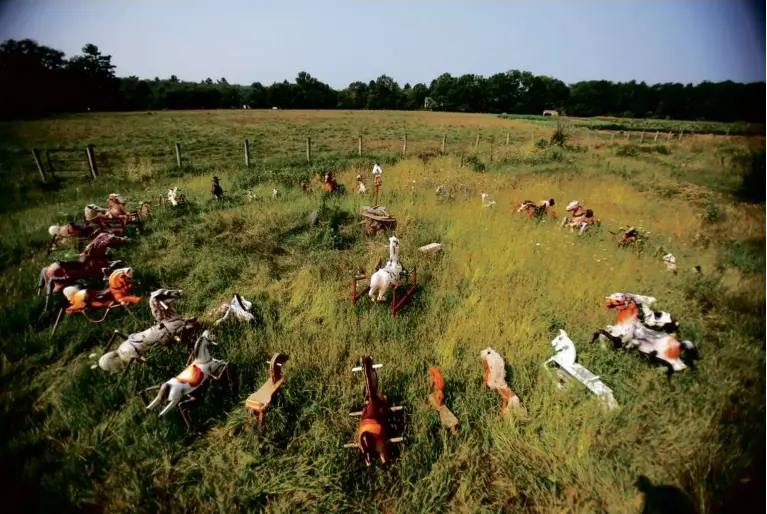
{"points": [[75, 439]]}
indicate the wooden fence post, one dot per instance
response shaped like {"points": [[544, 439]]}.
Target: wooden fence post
{"points": [[36, 155], [628, 136], [444, 140], [641, 138], [404, 145], [507, 138], [309, 150], [91, 161], [612, 137], [492, 141], [178, 155], [476, 144], [247, 154], [359, 145], [680, 134], [668, 138], [657, 133]]}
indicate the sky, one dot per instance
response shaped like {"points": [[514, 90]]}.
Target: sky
{"points": [[341, 41]]}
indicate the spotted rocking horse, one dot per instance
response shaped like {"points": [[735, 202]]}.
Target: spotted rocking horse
{"points": [[177, 391], [630, 332], [375, 417], [117, 295], [168, 325], [537, 210], [91, 264]]}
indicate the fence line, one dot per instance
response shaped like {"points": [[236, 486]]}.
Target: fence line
{"points": [[87, 160]]}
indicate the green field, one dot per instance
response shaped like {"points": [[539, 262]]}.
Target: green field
{"points": [[77, 439]]}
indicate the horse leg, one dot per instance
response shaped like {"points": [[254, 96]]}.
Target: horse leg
{"points": [[617, 343], [56, 325], [142, 394], [184, 411], [115, 334]]}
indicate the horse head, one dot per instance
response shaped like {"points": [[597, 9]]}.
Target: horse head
{"points": [[564, 348], [98, 247], [110, 361], [121, 279], [200, 351], [114, 199], [160, 300]]}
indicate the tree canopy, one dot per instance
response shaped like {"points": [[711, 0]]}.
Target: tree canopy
{"points": [[38, 80]]}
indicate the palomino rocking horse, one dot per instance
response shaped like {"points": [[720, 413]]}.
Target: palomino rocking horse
{"points": [[495, 378], [630, 332], [168, 325], [202, 367], [258, 402], [437, 400], [117, 295], [89, 265], [375, 417], [578, 218], [385, 278], [115, 216]]}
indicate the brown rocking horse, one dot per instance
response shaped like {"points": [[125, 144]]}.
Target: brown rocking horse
{"points": [[90, 264], [537, 210], [372, 432]]}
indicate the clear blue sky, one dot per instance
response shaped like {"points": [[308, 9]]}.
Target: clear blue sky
{"points": [[412, 41]]}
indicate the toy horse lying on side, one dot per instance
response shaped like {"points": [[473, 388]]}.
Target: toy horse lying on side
{"points": [[188, 381], [168, 324], [652, 319], [630, 332], [537, 210], [76, 232], [372, 433], [495, 378], [581, 219], [117, 294]]}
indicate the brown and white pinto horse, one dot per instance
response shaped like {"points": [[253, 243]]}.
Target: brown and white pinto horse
{"points": [[537, 210], [630, 332], [90, 264], [580, 219]]}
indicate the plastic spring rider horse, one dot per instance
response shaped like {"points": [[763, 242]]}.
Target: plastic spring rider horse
{"points": [[168, 325], [630, 332], [185, 383], [387, 276], [115, 296], [372, 432], [90, 264]]}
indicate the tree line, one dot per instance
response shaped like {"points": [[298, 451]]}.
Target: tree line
{"points": [[38, 80]]}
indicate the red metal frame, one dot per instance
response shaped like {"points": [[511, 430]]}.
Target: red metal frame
{"points": [[396, 306]]}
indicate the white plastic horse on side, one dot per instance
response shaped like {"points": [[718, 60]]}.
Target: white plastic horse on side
{"points": [[384, 278], [189, 380], [565, 359], [168, 324]]}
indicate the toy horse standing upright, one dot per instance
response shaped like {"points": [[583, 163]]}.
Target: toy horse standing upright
{"points": [[90, 264], [168, 324], [387, 276], [188, 381], [373, 430]]}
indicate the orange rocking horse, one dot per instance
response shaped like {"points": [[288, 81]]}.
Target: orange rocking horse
{"points": [[115, 296], [537, 210]]}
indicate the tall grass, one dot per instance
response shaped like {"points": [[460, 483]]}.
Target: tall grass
{"points": [[77, 439]]}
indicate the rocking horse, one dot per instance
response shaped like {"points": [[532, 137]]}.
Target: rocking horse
{"points": [[495, 378], [258, 402], [361, 189], [90, 264], [168, 325], [387, 277], [578, 218], [330, 186], [115, 216], [564, 358], [117, 295], [239, 308], [630, 237], [215, 189], [175, 198], [630, 332], [537, 210], [437, 400], [76, 232], [188, 381], [375, 417]]}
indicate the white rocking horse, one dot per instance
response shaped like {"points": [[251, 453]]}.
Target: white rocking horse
{"points": [[168, 324], [185, 383], [385, 277], [564, 358]]}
